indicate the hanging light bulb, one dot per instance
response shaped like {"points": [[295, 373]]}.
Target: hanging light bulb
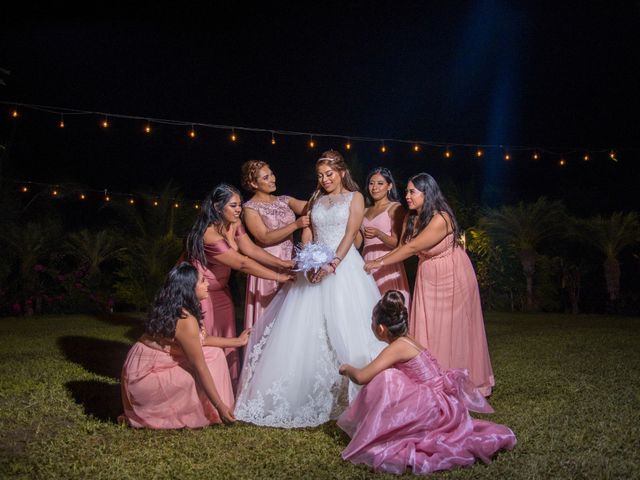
{"points": [[55, 193], [233, 135], [147, 127], [507, 157], [612, 156], [155, 203], [479, 153], [82, 196], [192, 132], [273, 139], [105, 122], [383, 148], [535, 156], [14, 113], [131, 201], [61, 122], [107, 198], [447, 153], [196, 206], [348, 144], [562, 162], [24, 189], [416, 148], [176, 205], [312, 144], [586, 157]]}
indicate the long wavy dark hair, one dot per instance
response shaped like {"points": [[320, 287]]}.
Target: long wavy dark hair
{"points": [[177, 295], [391, 312], [434, 203], [386, 174], [211, 213], [335, 160]]}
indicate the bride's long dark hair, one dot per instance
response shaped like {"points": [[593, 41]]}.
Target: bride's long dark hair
{"points": [[434, 203]]}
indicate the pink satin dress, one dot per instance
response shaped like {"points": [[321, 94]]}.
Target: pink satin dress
{"points": [[416, 415], [218, 312], [387, 277], [259, 291], [446, 313], [159, 389]]}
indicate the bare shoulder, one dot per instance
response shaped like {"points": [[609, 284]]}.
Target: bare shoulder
{"points": [[211, 235], [187, 325], [357, 198]]}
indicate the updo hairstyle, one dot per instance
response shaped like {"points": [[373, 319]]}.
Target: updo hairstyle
{"points": [[391, 312]]}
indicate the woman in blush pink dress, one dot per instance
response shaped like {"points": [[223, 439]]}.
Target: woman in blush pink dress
{"points": [[446, 314], [217, 244], [381, 228], [176, 376], [271, 220], [412, 413]]}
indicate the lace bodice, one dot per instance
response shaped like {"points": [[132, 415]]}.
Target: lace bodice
{"points": [[329, 217]]}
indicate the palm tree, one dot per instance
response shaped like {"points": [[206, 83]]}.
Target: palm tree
{"points": [[92, 249], [610, 235], [524, 227]]}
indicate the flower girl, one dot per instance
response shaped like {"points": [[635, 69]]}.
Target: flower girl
{"points": [[411, 413]]}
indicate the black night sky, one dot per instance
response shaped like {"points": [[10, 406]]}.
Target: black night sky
{"points": [[560, 77]]}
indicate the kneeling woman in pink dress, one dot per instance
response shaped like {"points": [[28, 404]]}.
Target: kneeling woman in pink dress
{"points": [[271, 220], [176, 376], [381, 229], [217, 244], [446, 313], [412, 413]]}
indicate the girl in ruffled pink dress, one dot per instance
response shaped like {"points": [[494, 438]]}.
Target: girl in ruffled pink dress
{"points": [[412, 413], [175, 375], [446, 313], [271, 220], [217, 244], [381, 228]]}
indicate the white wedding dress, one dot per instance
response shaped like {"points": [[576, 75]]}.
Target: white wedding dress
{"points": [[290, 374]]}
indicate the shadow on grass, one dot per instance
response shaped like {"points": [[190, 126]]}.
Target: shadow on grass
{"points": [[133, 320], [99, 399], [103, 357]]}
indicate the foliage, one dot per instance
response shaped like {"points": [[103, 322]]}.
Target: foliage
{"points": [[576, 414]]}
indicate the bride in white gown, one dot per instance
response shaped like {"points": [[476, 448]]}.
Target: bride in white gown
{"points": [[290, 374]]}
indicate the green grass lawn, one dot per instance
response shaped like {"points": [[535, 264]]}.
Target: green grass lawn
{"points": [[568, 386]]}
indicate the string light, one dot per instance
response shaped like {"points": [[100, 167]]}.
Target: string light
{"points": [[416, 148], [233, 135], [176, 205], [105, 123], [61, 123], [507, 157], [562, 162], [15, 113], [479, 153], [107, 198], [155, 203], [131, 201], [82, 196], [273, 139], [586, 157], [447, 153], [192, 132], [536, 156], [612, 156], [24, 189], [312, 144], [147, 127], [55, 193], [196, 206], [348, 144], [383, 148]]}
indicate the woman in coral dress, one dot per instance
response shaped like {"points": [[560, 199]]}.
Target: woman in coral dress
{"points": [[175, 375], [412, 413], [271, 220], [217, 244], [446, 314], [381, 228]]}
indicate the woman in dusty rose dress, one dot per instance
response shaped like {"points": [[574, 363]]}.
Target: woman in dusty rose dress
{"points": [[271, 220], [412, 413], [446, 314], [217, 244], [381, 228], [176, 376]]}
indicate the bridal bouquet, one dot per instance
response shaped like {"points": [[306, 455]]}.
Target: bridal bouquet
{"points": [[312, 257]]}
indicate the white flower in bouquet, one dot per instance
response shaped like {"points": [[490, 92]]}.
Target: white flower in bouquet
{"points": [[313, 256]]}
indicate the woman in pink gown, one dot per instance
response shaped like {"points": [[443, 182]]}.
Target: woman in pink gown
{"points": [[217, 244], [381, 228], [446, 313], [176, 376], [271, 220], [412, 413]]}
